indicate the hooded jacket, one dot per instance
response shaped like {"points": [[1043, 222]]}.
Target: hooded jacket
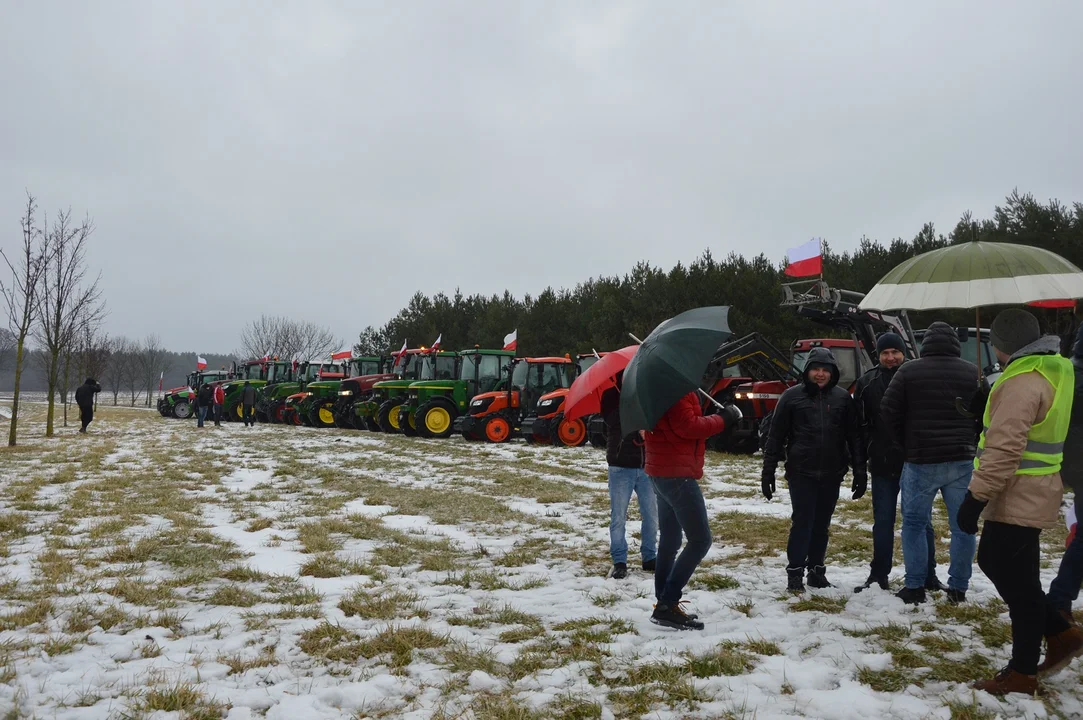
{"points": [[1071, 471], [84, 394], [919, 408], [621, 450], [675, 447], [816, 430], [884, 452], [1016, 404], [248, 395], [205, 396]]}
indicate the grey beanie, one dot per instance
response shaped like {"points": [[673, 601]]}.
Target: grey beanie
{"points": [[1013, 330]]}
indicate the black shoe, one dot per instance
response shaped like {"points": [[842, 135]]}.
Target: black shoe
{"points": [[795, 579], [817, 577], [933, 583], [675, 617], [648, 565], [911, 596], [873, 580], [956, 596], [620, 571]]}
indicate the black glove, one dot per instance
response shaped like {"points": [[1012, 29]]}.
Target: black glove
{"points": [[730, 415], [969, 512], [861, 484], [767, 484]]}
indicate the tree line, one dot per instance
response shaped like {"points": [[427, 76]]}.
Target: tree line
{"points": [[600, 312]]}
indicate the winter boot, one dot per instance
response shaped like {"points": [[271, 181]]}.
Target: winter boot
{"points": [[1060, 650], [873, 580], [648, 565], [1008, 681], [674, 617], [795, 579], [620, 571], [817, 577], [933, 583], [956, 596], [911, 596]]}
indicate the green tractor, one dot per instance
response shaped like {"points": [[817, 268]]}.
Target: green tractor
{"points": [[318, 406], [278, 372], [357, 388], [271, 398], [178, 402], [307, 374], [253, 372], [366, 409], [434, 402], [441, 366]]}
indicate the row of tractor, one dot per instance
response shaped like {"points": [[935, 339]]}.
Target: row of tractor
{"points": [[494, 396]]}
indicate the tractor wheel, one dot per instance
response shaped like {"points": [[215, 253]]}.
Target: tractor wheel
{"points": [[371, 424], [293, 417], [182, 410], [434, 420], [598, 440], [275, 413], [388, 416], [570, 433], [407, 422], [232, 412], [497, 429], [322, 414], [342, 421], [262, 417]]}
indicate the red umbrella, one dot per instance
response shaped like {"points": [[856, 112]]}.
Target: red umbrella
{"points": [[585, 395], [1053, 304]]}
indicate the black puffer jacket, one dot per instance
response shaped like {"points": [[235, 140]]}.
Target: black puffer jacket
{"points": [[624, 451], [1071, 472], [919, 408], [205, 396], [84, 394], [884, 453], [817, 430]]}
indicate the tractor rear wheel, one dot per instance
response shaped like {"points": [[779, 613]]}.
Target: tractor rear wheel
{"points": [[274, 412], [570, 433], [388, 415], [371, 424], [407, 423], [233, 412], [182, 410], [322, 414], [497, 429], [434, 420]]}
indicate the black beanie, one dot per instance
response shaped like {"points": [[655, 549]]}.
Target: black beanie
{"points": [[1014, 329], [890, 341]]}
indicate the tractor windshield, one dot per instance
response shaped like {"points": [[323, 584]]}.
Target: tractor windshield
{"points": [[191, 379], [520, 374], [441, 367], [253, 372], [365, 367], [585, 362]]}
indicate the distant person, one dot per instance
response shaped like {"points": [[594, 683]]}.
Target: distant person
{"points": [[673, 460], [921, 410], [219, 400], [205, 398], [624, 455], [84, 398], [1017, 483], [815, 427], [248, 401], [885, 457]]}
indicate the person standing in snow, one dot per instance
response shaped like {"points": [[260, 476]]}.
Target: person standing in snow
{"points": [[248, 401], [815, 425], [84, 398], [673, 460], [920, 410], [1017, 485], [219, 400], [885, 457], [624, 455], [205, 398]]}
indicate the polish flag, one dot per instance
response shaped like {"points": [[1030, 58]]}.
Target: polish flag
{"points": [[805, 260], [399, 355], [511, 340], [161, 378], [436, 343], [342, 355], [201, 363]]}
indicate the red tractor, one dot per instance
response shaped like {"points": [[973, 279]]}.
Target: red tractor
{"points": [[497, 416], [547, 424]]}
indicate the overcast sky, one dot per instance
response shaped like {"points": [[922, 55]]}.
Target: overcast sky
{"points": [[325, 160]]}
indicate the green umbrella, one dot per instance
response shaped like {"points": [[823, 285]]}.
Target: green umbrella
{"points": [[670, 364]]}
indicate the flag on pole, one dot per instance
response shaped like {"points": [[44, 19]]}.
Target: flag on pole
{"points": [[511, 340], [342, 355], [201, 363], [805, 259], [399, 355], [436, 343], [160, 379]]}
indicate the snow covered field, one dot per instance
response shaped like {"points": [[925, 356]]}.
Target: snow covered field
{"points": [[151, 569]]}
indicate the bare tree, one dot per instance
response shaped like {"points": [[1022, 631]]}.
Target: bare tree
{"points": [[287, 338], [21, 298], [113, 372], [152, 361], [7, 348], [66, 301], [93, 355]]}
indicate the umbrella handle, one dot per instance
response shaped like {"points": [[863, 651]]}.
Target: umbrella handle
{"points": [[702, 392]]}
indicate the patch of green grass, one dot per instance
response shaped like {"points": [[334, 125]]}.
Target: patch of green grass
{"points": [[14, 525], [761, 646], [380, 604], [574, 708], [329, 565], [234, 596], [891, 680], [973, 667], [890, 631], [985, 619], [521, 634], [315, 537], [32, 614], [940, 644], [182, 697], [242, 573], [140, 592], [727, 659], [239, 664], [903, 656], [259, 524], [969, 711], [820, 603], [717, 581], [393, 555], [461, 659]]}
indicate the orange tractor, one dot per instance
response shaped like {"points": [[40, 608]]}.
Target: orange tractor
{"points": [[547, 424], [497, 416]]}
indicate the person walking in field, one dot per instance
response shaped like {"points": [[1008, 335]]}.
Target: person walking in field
{"points": [[205, 398], [248, 402], [815, 427], [219, 400], [624, 456], [84, 398], [1017, 485]]}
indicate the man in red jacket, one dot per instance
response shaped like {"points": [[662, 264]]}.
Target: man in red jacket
{"points": [[219, 400], [674, 462]]}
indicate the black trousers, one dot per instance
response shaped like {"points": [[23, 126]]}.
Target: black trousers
{"points": [[86, 415], [1010, 556], [248, 414], [813, 504]]}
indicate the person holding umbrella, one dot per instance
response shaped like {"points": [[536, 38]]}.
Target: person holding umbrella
{"points": [[84, 398]]}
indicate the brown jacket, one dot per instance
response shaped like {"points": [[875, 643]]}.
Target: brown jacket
{"points": [[1015, 405]]}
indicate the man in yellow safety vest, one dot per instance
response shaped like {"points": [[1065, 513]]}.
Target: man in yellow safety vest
{"points": [[1017, 483]]}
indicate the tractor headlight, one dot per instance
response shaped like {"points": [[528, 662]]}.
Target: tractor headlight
{"points": [[546, 403], [477, 403], [345, 393]]}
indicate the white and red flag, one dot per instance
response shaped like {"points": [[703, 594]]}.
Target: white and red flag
{"points": [[399, 355], [511, 340], [201, 363], [436, 343], [342, 355], [805, 259]]}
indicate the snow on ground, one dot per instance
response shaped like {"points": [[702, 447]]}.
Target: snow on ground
{"points": [[155, 569]]}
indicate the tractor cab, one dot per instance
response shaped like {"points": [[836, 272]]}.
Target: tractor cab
{"points": [[496, 416], [423, 365], [546, 424], [362, 373], [252, 372], [433, 404], [308, 372]]}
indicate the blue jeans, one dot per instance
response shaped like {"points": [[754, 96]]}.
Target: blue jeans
{"points": [[920, 483], [622, 482], [201, 414], [885, 503], [1064, 589], [680, 510]]}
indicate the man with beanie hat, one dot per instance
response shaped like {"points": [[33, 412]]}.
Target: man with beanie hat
{"points": [[1017, 484], [919, 409], [885, 464]]}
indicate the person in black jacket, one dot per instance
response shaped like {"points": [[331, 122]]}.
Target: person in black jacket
{"points": [[624, 455], [921, 410], [885, 464], [815, 425], [248, 402], [205, 398], [84, 398]]}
